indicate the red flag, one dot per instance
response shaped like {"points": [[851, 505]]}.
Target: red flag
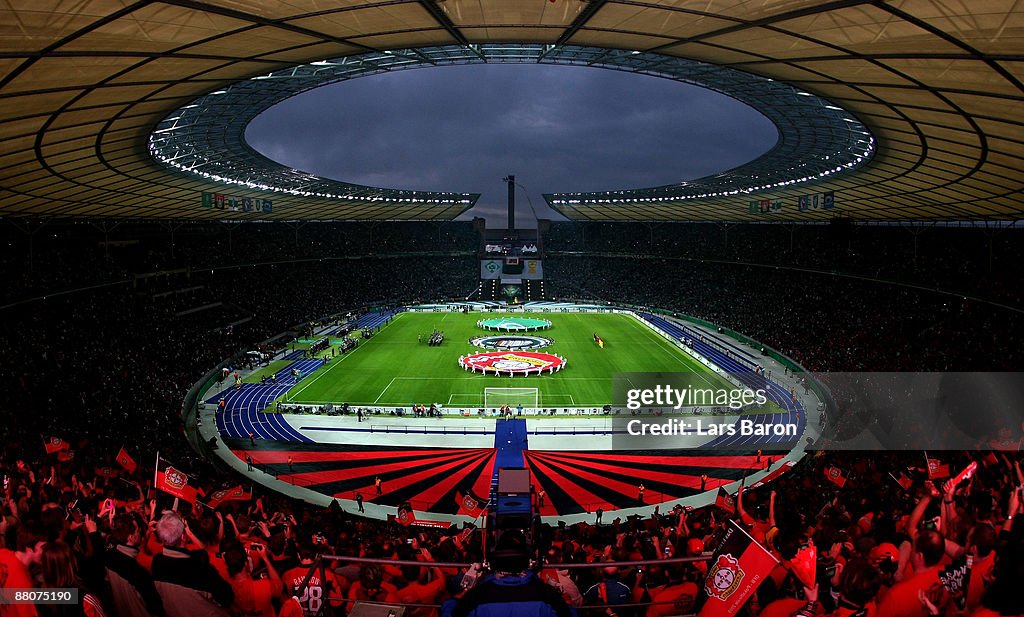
{"points": [[739, 566], [217, 498], [229, 494], [173, 481], [106, 472], [904, 482], [434, 524], [937, 470], [468, 504], [405, 515], [126, 461], [725, 501], [835, 475], [65, 455], [55, 444]]}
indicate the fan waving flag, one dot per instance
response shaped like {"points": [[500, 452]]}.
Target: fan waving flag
{"points": [[937, 470], [106, 472], [231, 494], [835, 475], [468, 504], [173, 481], [904, 482], [405, 515], [738, 567], [725, 501], [56, 444], [125, 460]]}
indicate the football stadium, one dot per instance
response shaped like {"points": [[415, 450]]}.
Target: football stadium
{"points": [[238, 387]]}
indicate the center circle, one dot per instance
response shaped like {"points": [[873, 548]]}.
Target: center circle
{"points": [[510, 342]]}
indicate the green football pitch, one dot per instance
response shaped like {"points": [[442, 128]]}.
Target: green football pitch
{"points": [[393, 369]]}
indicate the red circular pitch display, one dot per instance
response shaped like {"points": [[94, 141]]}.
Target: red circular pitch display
{"points": [[513, 362]]}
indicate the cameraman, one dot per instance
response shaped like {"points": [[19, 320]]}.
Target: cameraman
{"points": [[512, 590]]}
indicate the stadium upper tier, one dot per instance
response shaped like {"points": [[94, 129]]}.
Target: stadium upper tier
{"points": [[206, 138], [938, 86]]}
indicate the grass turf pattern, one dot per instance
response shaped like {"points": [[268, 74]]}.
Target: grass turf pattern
{"points": [[393, 369]]}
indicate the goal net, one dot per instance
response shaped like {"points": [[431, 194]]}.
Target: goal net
{"points": [[529, 398]]}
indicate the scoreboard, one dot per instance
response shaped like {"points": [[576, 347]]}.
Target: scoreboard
{"points": [[511, 267]]}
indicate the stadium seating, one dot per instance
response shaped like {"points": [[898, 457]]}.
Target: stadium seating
{"points": [[108, 366]]}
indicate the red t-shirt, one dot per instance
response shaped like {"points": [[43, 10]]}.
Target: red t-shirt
{"points": [[291, 608], [14, 575], [678, 600], [984, 612], [253, 598], [91, 606], [901, 600], [758, 529], [218, 563], [357, 593], [783, 607], [870, 610], [418, 593], [316, 592], [151, 548], [976, 586]]}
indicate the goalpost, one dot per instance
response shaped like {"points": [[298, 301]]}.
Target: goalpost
{"points": [[529, 398]]}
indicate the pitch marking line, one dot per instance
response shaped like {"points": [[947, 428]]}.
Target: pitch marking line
{"points": [[334, 364], [384, 390], [479, 376], [675, 354], [474, 398]]}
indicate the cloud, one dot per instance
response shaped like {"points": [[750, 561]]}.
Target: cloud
{"points": [[557, 128]]}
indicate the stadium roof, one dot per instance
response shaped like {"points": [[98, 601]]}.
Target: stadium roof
{"points": [[938, 85], [206, 138]]}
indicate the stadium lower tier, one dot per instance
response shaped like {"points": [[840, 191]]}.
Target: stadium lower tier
{"points": [[435, 467], [436, 480]]}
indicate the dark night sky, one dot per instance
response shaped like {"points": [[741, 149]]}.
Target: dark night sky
{"points": [[557, 128]]}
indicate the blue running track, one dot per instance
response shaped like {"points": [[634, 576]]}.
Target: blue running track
{"points": [[372, 320], [242, 414], [794, 411]]}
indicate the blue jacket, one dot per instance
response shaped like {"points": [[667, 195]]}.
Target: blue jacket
{"points": [[510, 596]]}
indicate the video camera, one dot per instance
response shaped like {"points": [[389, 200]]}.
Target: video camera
{"points": [[512, 523]]}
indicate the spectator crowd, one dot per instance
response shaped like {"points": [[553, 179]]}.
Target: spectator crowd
{"points": [[883, 545], [108, 368]]}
